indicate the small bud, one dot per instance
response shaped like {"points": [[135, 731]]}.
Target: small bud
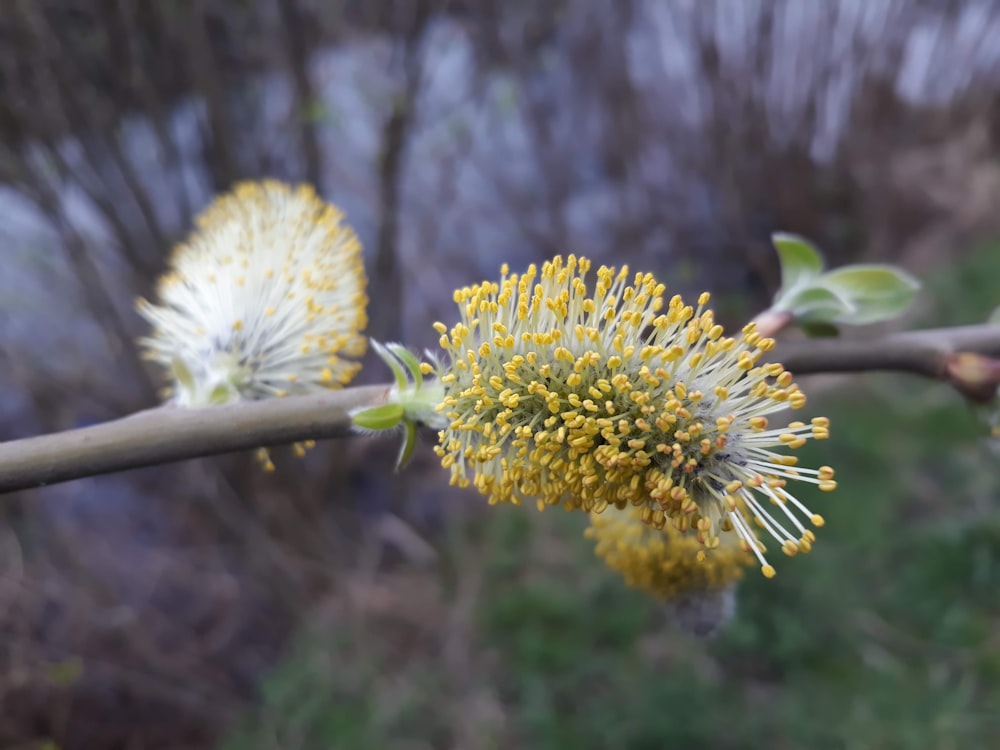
{"points": [[411, 401], [378, 418], [975, 375]]}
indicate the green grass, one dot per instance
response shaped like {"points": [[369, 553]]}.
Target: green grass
{"points": [[886, 636]]}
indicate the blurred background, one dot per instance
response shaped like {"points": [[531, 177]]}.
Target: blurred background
{"points": [[331, 605]]}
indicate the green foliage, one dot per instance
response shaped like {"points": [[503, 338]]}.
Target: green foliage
{"points": [[883, 637], [816, 304], [873, 292], [967, 292], [857, 294], [801, 261], [409, 402], [377, 418], [334, 693]]}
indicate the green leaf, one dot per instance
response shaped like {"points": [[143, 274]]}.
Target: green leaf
{"points": [[409, 359], [820, 330], [800, 260], [392, 363], [874, 292], [378, 418], [816, 304], [409, 444]]}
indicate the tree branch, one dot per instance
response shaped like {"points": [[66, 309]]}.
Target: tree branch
{"points": [[930, 352], [923, 352], [170, 433], [167, 433]]}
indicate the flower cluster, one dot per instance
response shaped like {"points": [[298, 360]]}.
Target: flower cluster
{"points": [[266, 298], [600, 395], [667, 563]]}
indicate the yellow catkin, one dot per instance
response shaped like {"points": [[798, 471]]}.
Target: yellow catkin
{"points": [[615, 397], [265, 298], [666, 563]]}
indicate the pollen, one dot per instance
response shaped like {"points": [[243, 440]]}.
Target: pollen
{"points": [[613, 398], [266, 297], [666, 563]]}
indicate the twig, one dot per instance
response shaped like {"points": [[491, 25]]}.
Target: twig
{"points": [[925, 352], [168, 433]]}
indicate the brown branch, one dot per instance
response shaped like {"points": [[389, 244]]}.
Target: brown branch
{"points": [[930, 352], [169, 433], [922, 352]]}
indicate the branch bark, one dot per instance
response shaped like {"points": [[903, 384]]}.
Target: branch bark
{"points": [[170, 433], [167, 433], [923, 352]]}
